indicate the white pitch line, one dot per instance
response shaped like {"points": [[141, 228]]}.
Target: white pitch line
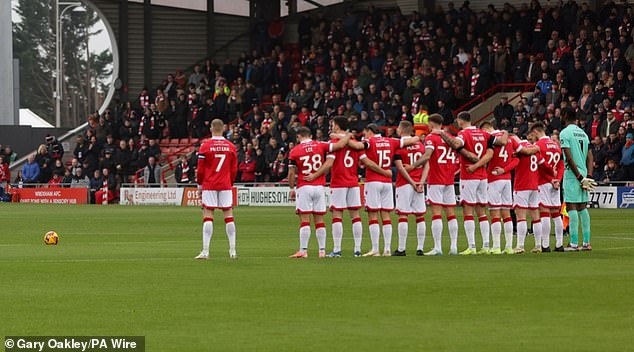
{"points": [[616, 238], [611, 249]]}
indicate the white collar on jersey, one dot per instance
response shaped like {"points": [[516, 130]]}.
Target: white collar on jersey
{"points": [[470, 127], [306, 141], [217, 137]]}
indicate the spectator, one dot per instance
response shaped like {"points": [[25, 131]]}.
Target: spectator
{"points": [[112, 185], [545, 84], [96, 183], [152, 173], [56, 181], [627, 159], [9, 155], [19, 179], [54, 147], [614, 147], [247, 168], [80, 180], [183, 174], [58, 168], [5, 173], [260, 165], [503, 111], [108, 161], [44, 162], [196, 77], [609, 126], [154, 149], [31, 170], [279, 169], [612, 172], [599, 156], [122, 161]]}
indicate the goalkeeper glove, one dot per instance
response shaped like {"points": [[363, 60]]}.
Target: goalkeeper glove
{"points": [[588, 184]]}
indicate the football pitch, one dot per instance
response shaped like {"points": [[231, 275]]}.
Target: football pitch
{"points": [[130, 271]]}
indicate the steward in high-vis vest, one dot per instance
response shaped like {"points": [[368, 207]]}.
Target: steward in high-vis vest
{"points": [[420, 121]]}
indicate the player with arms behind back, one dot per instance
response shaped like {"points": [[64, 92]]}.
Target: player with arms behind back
{"points": [[344, 188], [443, 165], [500, 191], [217, 169], [305, 158], [549, 198], [410, 196], [577, 180]]}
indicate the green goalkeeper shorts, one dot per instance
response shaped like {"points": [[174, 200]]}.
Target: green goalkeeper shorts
{"points": [[573, 193]]}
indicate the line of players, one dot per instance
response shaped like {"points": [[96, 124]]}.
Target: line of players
{"points": [[483, 156]]}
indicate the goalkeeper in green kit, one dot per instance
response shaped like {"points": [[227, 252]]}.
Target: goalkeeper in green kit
{"points": [[577, 182]]}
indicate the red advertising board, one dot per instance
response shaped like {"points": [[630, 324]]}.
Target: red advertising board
{"points": [[52, 195], [191, 198]]}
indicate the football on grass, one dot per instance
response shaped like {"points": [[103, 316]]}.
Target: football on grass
{"points": [[51, 238]]}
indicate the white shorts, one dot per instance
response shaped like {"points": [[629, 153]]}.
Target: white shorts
{"points": [[379, 196], [408, 201], [217, 199], [345, 198], [473, 192], [526, 199], [500, 194], [444, 195], [310, 200], [549, 196]]}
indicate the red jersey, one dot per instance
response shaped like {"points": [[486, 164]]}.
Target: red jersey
{"points": [[344, 173], [552, 154], [474, 140], [308, 156], [527, 172], [380, 150], [217, 164], [503, 157], [408, 155], [443, 163]]}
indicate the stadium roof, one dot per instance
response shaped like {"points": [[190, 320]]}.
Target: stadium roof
{"points": [[29, 118], [235, 7]]}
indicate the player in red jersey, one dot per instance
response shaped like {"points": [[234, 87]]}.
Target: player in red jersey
{"points": [[500, 192], [526, 193], [344, 188], [549, 197], [473, 177], [410, 196], [378, 184], [217, 169], [443, 165], [307, 157]]}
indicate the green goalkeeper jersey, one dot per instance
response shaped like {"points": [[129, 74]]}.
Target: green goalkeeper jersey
{"points": [[576, 140]]}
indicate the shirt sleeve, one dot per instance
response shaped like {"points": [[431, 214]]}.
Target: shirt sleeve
{"points": [[292, 157], [565, 140], [429, 143], [327, 146]]}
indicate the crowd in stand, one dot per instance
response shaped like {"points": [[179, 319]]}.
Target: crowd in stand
{"points": [[383, 67]]}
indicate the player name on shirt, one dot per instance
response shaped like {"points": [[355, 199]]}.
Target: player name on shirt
{"points": [[219, 148]]}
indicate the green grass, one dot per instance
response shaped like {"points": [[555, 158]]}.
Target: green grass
{"points": [[129, 271]]}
